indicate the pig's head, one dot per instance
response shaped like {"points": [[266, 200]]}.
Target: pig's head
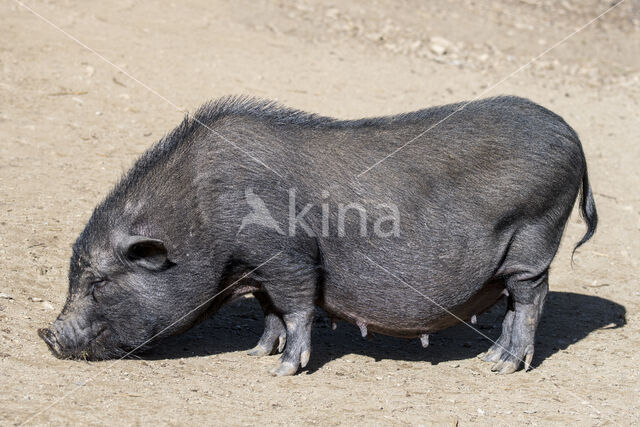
{"points": [[123, 292]]}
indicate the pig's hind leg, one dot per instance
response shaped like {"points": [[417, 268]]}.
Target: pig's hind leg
{"points": [[274, 335], [525, 270], [515, 345]]}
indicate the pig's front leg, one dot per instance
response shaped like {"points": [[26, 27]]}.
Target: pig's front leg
{"points": [[274, 335], [291, 288], [298, 349]]}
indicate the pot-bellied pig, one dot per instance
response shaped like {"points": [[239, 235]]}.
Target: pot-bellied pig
{"points": [[403, 225]]}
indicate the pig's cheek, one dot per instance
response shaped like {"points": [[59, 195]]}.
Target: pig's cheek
{"points": [[108, 295]]}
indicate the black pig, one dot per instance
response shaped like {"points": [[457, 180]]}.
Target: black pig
{"points": [[468, 204]]}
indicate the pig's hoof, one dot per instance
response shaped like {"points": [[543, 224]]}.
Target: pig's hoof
{"points": [[262, 349], [284, 368], [259, 350], [506, 366], [508, 360], [493, 354]]}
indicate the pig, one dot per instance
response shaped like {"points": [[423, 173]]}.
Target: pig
{"points": [[402, 225]]}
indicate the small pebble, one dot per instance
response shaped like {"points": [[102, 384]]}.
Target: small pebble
{"points": [[439, 45]]}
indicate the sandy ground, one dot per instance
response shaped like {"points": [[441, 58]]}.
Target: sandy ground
{"points": [[71, 123]]}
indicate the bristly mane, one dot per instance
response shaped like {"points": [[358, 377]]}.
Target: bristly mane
{"points": [[234, 105], [258, 108], [278, 114]]}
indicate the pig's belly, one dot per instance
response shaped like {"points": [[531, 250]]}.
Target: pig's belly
{"points": [[422, 316]]}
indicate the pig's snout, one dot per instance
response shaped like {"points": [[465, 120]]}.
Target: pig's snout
{"points": [[70, 337], [60, 337], [49, 337]]}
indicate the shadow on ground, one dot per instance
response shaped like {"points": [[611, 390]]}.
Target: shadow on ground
{"points": [[568, 318]]}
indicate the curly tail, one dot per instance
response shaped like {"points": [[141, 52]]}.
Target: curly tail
{"points": [[588, 211]]}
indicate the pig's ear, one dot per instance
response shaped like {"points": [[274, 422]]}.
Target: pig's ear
{"points": [[145, 252]]}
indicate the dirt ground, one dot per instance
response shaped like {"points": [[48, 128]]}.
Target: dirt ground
{"points": [[71, 123]]}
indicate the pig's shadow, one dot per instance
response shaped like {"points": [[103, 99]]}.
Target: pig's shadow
{"points": [[568, 318]]}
